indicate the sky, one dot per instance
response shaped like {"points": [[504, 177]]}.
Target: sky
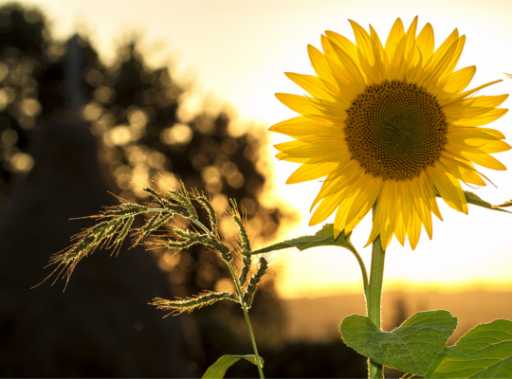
{"points": [[236, 51]]}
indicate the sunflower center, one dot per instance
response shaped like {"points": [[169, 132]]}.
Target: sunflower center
{"points": [[395, 130]]}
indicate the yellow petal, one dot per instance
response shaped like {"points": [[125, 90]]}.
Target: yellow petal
{"points": [[414, 231], [482, 118], [330, 149], [462, 171], [471, 177], [312, 84], [345, 206], [476, 89], [298, 103], [458, 111], [395, 36], [401, 229], [300, 126], [325, 208], [363, 203], [363, 41], [494, 146], [343, 43], [485, 101], [410, 36], [311, 171], [445, 46], [291, 158], [439, 66], [455, 56], [425, 214], [320, 65], [348, 64], [428, 193], [383, 220], [411, 31], [459, 80], [470, 132], [425, 41], [340, 179], [484, 160], [379, 71], [312, 107], [448, 187]]}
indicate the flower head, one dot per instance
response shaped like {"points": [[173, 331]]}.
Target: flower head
{"points": [[390, 126]]}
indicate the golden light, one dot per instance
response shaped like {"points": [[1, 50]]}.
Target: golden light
{"points": [[242, 62], [118, 136], [177, 134], [21, 162], [4, 99]]}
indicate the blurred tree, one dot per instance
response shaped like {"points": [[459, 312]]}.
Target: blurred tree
{"points": [[101, 327], [49, 173], [24, 44]]}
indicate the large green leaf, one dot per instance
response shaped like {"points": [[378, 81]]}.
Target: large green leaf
{"points": [[323, 237], [218, 369], [484, 352], [474, 199], [413, 347]]}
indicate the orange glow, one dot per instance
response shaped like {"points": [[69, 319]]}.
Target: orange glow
{"points": [[238, 52]]}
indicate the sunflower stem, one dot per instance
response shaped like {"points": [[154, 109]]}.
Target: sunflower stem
{"points": [[375, 370]]}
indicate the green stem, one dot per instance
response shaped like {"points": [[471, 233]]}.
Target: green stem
{"points": [[247, 319], [375, 370], [253, 341], [364, 274]]}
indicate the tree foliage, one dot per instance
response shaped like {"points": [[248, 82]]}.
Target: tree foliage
{"points": [[134, 111]]}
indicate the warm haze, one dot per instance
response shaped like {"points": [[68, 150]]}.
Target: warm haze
{"points": [[237, 51]]}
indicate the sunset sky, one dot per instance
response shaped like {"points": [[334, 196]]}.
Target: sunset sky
{"points": [[236, 51]]}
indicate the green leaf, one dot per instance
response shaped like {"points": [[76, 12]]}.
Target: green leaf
{"points": [[218, 369], [474, 199], [413, 347], [484, 352], [323, 237]]}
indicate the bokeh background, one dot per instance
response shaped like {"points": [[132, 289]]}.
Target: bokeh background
{"points": [[99, 97]]}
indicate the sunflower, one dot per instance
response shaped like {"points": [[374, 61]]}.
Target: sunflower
{"points": [[389, 126]]}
